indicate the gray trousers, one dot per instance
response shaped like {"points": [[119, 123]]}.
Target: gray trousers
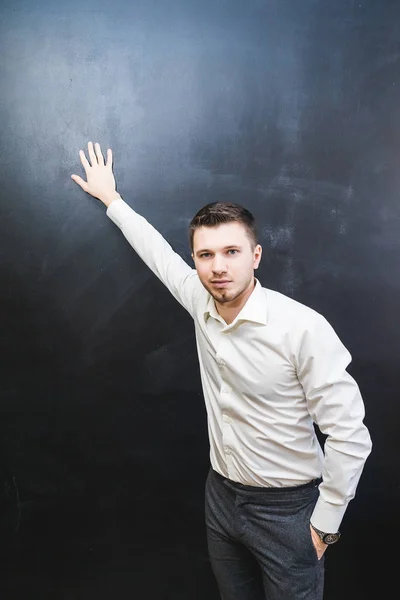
{"points": [[259, 541]]}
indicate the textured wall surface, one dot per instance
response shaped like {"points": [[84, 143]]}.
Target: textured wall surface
{"points": [[291, 108]]}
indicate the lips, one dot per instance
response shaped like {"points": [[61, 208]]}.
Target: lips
{"points": [[220, 282]]}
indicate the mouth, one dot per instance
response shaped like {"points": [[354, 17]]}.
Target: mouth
{"points": [[220, 283]]}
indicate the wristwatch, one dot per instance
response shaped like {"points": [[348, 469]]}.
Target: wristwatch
{"points": [[327, 538]]}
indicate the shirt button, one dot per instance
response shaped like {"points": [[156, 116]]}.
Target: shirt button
{"points": [[227, 451], [226, 418], [221, 362]]}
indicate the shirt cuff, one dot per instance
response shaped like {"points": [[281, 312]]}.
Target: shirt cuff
{"points": [[327, 517]]}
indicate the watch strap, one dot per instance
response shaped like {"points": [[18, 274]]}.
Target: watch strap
{"points": [[327, 538]]}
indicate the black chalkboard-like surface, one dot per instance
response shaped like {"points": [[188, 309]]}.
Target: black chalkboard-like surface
{"points": [[291, 108]]}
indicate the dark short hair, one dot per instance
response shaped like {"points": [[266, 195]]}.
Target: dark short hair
{"points": [[218, 213]]}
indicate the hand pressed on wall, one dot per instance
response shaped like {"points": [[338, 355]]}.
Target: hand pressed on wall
{"points": [[100, 178]]}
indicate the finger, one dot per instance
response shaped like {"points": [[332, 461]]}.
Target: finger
{"points": [[80, 182], [99, 154], [84, 161], [109, 158], [92, 155]]}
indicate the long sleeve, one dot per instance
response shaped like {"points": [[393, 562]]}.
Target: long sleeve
{"points": [[180, 279], [336, 406]]}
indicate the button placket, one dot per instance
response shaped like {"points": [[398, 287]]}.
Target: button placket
{"points": [[226, 435], [226, 419]]}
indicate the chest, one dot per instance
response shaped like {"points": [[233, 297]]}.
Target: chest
{"points": [[252, 358]]}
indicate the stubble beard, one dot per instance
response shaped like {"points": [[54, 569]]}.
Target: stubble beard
{"points": [[224, 296]]}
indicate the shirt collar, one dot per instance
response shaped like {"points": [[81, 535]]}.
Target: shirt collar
{"points": [[255, 309]]}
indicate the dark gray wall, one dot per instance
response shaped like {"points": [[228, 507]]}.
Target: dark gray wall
{"points": [[291, 108]]}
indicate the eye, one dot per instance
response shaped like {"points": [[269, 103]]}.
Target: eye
{"points": [[233, 251], [205, 255]]}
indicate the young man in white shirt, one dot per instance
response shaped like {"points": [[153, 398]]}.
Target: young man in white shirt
{"points": [[270, 368]]}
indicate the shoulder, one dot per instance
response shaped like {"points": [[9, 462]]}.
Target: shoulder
{"points": [[298, 323], [284, 307], [305, 332]]}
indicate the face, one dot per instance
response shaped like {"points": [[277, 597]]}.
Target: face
{"points": [[225, 261]]}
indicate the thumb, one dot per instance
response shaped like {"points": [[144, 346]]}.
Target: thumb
{"points": [[80, 182]]}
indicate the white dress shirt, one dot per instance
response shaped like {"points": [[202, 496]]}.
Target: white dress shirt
{"points": [[267, 377]]}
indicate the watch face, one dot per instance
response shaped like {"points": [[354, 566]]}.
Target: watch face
{"points": [[331, 538]]}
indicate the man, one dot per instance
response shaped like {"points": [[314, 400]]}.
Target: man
{"points": [[270, 368]]}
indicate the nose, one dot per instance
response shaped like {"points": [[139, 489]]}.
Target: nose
{"points": [[219, 265]]}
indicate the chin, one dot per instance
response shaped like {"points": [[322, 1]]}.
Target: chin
{"points": [[223, 296]]}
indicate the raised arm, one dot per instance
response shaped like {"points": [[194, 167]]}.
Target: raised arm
{"points": [[180, 279]]}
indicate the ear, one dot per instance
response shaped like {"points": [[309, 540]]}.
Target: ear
{"points": [[257, 256]]}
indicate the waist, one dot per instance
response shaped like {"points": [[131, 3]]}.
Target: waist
{"points": [[268, 489]]}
